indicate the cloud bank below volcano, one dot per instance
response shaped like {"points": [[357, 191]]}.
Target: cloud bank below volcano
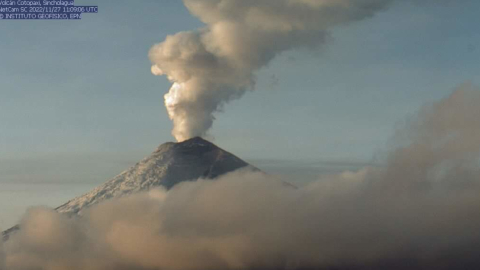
{"points": [[420, 211]]}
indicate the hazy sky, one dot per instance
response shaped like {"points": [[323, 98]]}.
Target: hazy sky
{"points": [[79, 103]]}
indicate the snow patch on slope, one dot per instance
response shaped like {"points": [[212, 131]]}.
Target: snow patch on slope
{"points": [[168, 165]]}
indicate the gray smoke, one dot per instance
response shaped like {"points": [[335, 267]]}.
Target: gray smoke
{"points": [[420, 211], [216, 64]]}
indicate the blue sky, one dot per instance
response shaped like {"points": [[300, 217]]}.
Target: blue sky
{"points": [[79, 104]]}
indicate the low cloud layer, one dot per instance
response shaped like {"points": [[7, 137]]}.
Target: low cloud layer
{"points": [[217, 63], [420, 211]]}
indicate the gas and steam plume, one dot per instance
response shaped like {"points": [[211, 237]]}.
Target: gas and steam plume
{"points": [[216, 64], [420, 211]]}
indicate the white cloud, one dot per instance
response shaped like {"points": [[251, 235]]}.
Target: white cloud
{"points": [[421, 211]]}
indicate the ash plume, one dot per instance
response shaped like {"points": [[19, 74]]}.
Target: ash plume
{"points": [[420, 211], [217, 63]]}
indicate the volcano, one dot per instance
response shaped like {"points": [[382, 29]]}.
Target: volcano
{"points": [[170, 164]]}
